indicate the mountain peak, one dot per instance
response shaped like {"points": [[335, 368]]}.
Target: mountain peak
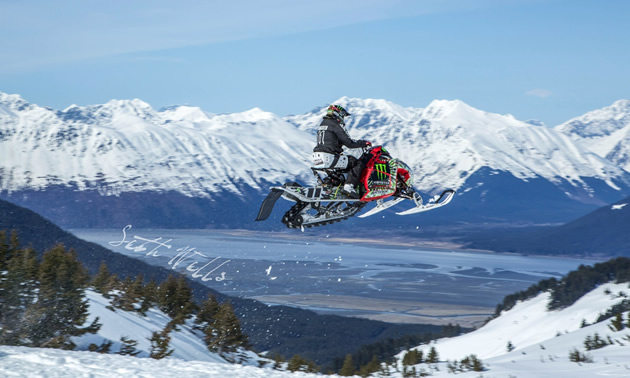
{"points": [[106, 113], [134, 106], [252, 116], [605, 131], [622, 103], [185, 113], [454, 109], [372, 104], [599, 122], [13, 101], [6, 97]]}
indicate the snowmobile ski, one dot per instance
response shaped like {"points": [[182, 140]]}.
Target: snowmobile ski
{"points": [[441, 200], [382, 205]]}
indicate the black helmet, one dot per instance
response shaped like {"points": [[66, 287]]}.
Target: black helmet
{"points": [[337, 112]]}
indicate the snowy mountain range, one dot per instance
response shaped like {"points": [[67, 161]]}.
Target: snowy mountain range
{"points": [[125, 148], [448, 141], [605, 131]]}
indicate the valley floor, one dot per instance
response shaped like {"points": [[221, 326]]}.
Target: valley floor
{"points": [[398, 279]]}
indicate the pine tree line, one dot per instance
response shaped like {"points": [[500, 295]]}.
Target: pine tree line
{"points": [[574, 285], [216, 321], [385, 350], [618, 323], [469, 363], [43, 304]]}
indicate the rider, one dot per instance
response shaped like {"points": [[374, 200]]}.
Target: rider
{"points": [[331, 137]]}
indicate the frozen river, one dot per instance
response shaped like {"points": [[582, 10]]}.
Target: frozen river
{"points": [[391, 283]]}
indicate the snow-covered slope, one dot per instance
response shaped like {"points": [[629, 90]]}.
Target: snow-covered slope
{"points": [[191, 357], [605, 131], [542, 340], [116, 324], [127, 146], [48, 363], [448, 141]]}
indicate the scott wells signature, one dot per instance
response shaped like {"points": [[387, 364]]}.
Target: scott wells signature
{"points": [[185, 255]]}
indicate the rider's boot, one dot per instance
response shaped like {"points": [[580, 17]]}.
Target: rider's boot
{"points": [[349, 190]]}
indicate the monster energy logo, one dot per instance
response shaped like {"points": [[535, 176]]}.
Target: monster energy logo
{"points": [[381, 171]]}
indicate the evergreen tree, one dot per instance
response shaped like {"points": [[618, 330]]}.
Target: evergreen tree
{"points": [[19, 292], [299, 363], [119, 300], [225, 335], [128, 347], [278, 361], [595, 342], [159, 344], [617, 323], [348, 368], [61, 307], [167, 292], [149, 296], [208, 311], [104, 348], [7, 250], [135, 292], [372, 367], [14, 241], [102, 280], [183, 301], [433, 356], [131, 293], [4, 251], [510, 347], [576, 356], [412, 357], [471, 363]]}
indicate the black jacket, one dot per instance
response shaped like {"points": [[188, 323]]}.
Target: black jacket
{"points": [[331, 138]]}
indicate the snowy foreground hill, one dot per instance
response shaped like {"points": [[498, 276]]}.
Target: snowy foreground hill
{"points": [[541, 339], [119, 323], [39, 362], [190, 358]]}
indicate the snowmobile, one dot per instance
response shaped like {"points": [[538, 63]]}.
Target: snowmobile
{"points": [[385, 181]]}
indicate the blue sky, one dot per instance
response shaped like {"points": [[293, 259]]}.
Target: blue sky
{"points": [[549, 60]]}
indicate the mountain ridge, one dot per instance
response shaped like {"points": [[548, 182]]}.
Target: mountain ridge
{"points": [[605, 131], [602, 232], [126, 147]]}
